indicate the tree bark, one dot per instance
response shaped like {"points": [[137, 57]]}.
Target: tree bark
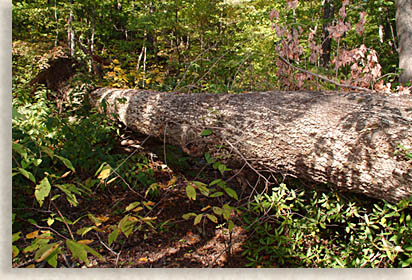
{"points": [[404, 31], [346, 139]]}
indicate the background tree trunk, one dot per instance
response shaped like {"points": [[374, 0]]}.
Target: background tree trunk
{"points": [[347, 139], [404, 31]]}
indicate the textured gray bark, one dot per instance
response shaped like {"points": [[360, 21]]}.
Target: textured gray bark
{"points": [[404, 31], [347, 139]]}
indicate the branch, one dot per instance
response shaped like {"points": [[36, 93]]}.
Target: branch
{"points": [[324, 78]]}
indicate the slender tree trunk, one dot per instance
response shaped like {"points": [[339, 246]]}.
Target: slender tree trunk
{"points": [[404, 30], [347, 139], [70, 31], [328, 14]]}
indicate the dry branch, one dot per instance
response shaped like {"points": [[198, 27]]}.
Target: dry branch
{"points": [[347, 139]]}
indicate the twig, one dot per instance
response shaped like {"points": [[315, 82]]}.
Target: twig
{"points": [[324, 78], [104, 244], [63, 219]]}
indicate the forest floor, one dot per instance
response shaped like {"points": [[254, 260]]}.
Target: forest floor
{"points": [[172, 242]]}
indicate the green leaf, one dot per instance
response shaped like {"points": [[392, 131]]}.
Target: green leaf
{"points": [[14, 251], [132, 205], [226, 211], [216, 194], [27, 174], [191, 191], [198, 219], [113, 236], [206, 132], [209, 158], [15, 114], [126, 225], [218, 182], [46, 251], [20, 149], [95, 220], [84, 230], [93, 252], [188, 215], [212, 218], [222, 168], [217, 210], [231, 193], [42, 190], [202, 187], [48, 151], [78, 250], [16, 236], [66, 162]]}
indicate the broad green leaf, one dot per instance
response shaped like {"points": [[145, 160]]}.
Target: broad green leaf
{"points": [[16, 236], [188, 215], [126, 225], [95, 220], [226, 211], [37, 162], [231, 193], [45, 251], [20, 149], [48, 151], [14, 251], [212, 218], [198, 219], [202, 187], [84, 230], [15, 114], [27, 174], [217, 210], [52, 259], [206, 132], [222, 168], [218, 182], [113, 236], [93, 252], [78, 250], [104, 173], [66, 162], [132, 205], [191, 191], [42, 190], [216, 194]]}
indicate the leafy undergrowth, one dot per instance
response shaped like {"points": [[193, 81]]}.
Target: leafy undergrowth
{"points": [[154, 234]]}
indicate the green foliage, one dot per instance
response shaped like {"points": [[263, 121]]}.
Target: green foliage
{"points": [[314, 229], [214, 46]]}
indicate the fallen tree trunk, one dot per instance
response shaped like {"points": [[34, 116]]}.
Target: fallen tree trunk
{"points": [[347, 139]]}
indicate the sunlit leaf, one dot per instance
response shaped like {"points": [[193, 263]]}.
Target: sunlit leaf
{"points": [[113, 236], [191, 191], [45, 251], [188, 215], [42, 190], [198, 219], [14, 251], [66, 162], [212, 217], [78, 250], [16, 236], [27, 174]]}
